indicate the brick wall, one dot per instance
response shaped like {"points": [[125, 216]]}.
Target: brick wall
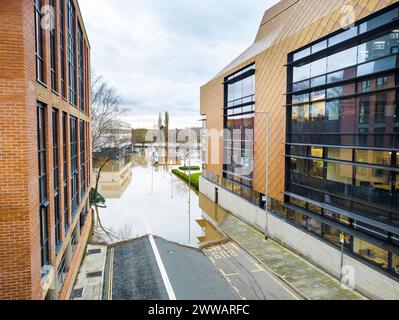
{"points": [[20, 262]]}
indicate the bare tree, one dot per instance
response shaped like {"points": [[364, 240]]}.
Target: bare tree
{"points": [[106, 109]]}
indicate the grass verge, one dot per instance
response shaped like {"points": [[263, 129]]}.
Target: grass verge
{"points": [[194, 178]]}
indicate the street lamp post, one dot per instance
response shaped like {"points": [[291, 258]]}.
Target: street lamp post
{"points": [[267, 115], [189, 196]]}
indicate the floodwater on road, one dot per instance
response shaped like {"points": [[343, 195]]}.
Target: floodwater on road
{"points": [[143, 199]]}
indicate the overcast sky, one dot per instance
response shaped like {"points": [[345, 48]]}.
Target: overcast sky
{"points": [[157, 53]]}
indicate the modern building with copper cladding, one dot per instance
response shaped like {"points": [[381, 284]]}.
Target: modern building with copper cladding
{"points": [[45, 147], [316, 97]]}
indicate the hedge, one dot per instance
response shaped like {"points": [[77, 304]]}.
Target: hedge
{"points": [[194, 178], [193, 168]]}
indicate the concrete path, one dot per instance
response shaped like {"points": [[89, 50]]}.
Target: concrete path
{"points": [[89, 283], [162, 270], [307, 280], [246, 275]]}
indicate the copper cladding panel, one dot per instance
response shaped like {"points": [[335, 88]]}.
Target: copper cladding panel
{"points": [[285, 27]]}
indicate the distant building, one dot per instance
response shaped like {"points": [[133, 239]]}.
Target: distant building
{"points": [[330, 94], [45, 148], [116, 143]]}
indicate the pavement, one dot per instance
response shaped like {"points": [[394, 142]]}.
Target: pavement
{"points": [[89, 283], [151, 268], [303, 278], [248, 277]]}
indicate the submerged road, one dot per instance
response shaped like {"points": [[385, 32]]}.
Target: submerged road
{"points": [[155, 269]]}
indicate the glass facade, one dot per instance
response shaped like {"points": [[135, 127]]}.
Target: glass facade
{"points": [[343, 139], [239, 119]]}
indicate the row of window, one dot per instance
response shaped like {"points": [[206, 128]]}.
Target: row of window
{"points": [[361, 156], [379, 83], [343, 139], [352, 32], [76, 49], [379, 257], [43, 190], [239, 125], [375, 185], [374, 254], [377, 55]]}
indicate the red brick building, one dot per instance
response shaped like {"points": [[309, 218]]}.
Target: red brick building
{"points": [[45, 147]]}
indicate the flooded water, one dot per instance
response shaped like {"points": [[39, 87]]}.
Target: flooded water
{"points": [[143, 199]]}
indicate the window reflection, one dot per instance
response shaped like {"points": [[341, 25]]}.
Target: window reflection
{"points": [[339, 178], [378, 48], [376, 66], [379, 83], [316, 152], [238, 144], [341, 91], [373, 184], [395, 263], [371, 253], [302, 72], [342, 59], [339, 154], [373, 157]]}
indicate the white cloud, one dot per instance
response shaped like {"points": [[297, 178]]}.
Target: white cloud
{"points": [[158, 53]]}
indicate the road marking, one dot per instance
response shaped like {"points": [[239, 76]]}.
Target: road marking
{"points": [[161, 267], [259, 269], [111, 273], [224, 274]]}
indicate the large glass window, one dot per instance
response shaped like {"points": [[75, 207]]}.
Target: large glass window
{"points": [[371, 252], [61, 15], [239, 122], [373, 185], [82, 159], [342, 59], [72, 52], [379, 47], [57, 229], [64, 152], [374, 157], [339, 154], [41, 144], [339, 178], [74, 166], [395, 263], [80, 69], [39, 41], [53, 48]]}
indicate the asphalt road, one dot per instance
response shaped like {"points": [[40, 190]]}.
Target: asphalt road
{"points": [[141, 270], [248, 278]]}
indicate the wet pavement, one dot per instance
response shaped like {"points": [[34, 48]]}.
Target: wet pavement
{"points": [[304, 278], [246, 275]]}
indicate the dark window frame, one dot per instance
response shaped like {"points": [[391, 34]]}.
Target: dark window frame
{"points": [[39, 43]]}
